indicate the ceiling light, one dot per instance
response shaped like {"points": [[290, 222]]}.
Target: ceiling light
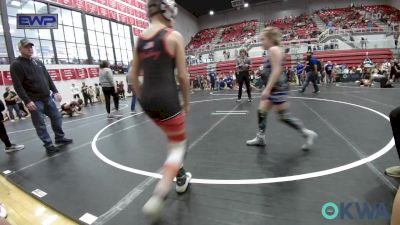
{"points": [[246, 5], [211, 12]]}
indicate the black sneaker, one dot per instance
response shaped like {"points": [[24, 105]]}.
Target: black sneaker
{"points": [[315, 92], [64, 141], [51, 149], [250, 100]]}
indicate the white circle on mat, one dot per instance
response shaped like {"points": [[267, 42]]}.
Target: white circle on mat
{"points": [[321, 173]]}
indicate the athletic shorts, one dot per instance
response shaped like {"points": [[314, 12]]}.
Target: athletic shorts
{"points": [[161, 107], [278, 98]]}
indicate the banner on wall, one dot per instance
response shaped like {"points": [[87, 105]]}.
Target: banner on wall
{"points": [[68, 74], [55, 75], [7, 78], [82, 73], [93, 72]]}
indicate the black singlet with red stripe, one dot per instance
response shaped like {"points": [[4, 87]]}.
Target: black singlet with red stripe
{"points": [[159, 97]]}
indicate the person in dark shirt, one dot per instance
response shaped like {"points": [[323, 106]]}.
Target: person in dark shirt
{"points": [[312, 73], [243, 64], [395, 170], [10, 98], [395, 71], [32, 83], [212, 81], [3, 134], [86, 95], [321, 70]]}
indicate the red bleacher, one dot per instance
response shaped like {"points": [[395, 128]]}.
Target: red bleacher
{"points": [[238, 31], [200, 69], [353, 58], [203, 37], [345, 18], [389, 12], [298, 27]]}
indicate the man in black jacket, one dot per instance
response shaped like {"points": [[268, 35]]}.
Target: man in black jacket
{"points": [[32, 83], [3, 134]]}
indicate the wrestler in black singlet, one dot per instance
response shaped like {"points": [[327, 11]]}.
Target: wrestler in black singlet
{"points": [[159, 97]]}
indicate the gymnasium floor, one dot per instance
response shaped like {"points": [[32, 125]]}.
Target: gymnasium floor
{"points": [[102, 175]]}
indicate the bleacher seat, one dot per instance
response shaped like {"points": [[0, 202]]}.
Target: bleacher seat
{"points": [[353, 58]]}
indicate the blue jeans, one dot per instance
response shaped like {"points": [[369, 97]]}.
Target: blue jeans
{"points": [[133, 103], [311, 77], [11, 112], [48, 108]]}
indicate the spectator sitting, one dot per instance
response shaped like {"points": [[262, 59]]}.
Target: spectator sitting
{"points": [[229, 82], [221, 84]]}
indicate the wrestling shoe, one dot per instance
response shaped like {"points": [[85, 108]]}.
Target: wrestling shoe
{"points": [[259, 140], [182, 183]]}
